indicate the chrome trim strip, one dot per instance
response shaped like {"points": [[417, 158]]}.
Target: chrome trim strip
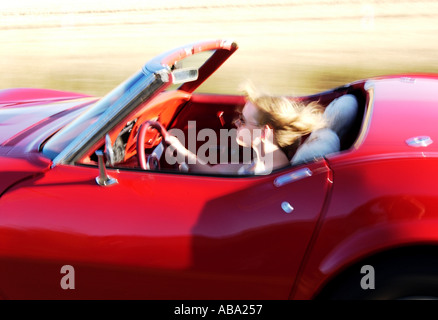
{"points": [[293, 176], [131, 99]]}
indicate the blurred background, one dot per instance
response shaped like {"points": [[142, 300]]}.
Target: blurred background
{"points": [[292, 47]]}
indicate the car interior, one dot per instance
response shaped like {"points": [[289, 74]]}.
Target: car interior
{"points": [[177, 109]]}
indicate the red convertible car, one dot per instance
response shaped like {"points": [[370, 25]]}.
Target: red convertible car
{"points": [[91, 209]]}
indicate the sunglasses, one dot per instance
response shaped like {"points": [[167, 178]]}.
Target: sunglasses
{"points": [[241, 121]]}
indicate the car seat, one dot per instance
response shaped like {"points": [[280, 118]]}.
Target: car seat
{"points": [[340, 115]]}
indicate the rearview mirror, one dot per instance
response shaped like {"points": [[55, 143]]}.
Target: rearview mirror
{"points": [[184, 75]]}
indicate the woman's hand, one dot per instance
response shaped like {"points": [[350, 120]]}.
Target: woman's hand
{"points": [[174, 142], [190, 157]]}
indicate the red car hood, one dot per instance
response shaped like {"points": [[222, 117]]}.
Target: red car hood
{"points": [[27, 118], [33, 113]]}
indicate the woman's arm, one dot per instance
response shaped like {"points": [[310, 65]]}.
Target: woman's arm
{"points": [[222, 168], [198, 165]]}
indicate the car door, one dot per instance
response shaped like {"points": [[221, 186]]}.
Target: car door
{"points": [[155, 235]]}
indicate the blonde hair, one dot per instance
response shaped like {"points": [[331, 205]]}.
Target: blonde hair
{"points": [[290, 119]]}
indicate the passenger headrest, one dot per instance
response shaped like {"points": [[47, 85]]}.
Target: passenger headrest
{"points": [[341, 113], [320, 143]]}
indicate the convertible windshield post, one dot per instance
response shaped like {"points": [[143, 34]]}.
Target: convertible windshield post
{"points": [[73, 142], [88, 129]]}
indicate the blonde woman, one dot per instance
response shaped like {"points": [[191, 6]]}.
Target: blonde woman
{"points": [[272, 126]]}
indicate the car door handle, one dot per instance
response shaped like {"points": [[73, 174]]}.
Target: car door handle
{"points": [[293, 176]]}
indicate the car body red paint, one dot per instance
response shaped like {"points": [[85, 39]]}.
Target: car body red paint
{"points": [[171, 235]]}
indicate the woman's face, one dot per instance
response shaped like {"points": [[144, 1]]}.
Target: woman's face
{"points": [[248, 129]]}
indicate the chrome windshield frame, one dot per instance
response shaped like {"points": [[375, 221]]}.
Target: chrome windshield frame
{"points": [[153, 78], [143, 89]]}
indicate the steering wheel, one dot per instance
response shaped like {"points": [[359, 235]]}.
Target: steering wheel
{"points": [[153, 161]]}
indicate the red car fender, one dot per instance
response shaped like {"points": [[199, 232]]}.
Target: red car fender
{"points": [[370, 211], [13, 170]]}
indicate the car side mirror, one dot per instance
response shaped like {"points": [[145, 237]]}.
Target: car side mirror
{"points": [[103, 179]]}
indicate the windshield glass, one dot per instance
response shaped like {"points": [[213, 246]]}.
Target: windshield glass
{"points": [[66, 135], [186, 67]]}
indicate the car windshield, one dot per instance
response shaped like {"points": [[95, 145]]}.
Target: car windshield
{"points": [[175, 68], [66, 135], [195, 61]]}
